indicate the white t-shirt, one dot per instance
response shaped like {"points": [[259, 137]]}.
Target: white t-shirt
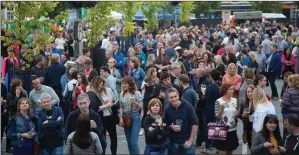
{"points": [[106, 97], [60, 43], [228, 113], [260, 112], [70, 86]]}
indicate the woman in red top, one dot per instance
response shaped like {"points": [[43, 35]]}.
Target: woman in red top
{"points": [[232, 77], [80, 88]]}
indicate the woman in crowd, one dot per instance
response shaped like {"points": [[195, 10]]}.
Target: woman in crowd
{"points": [[107, 98], [148, 85], [87, 67], [21, 129], [288, 61], [150, 61], [232, 77], [218, 60], [290, 101], [162, 61], [136, 72], [60, 41], [177, 56], [262, 106], [131, 54], [260, 81], [67, 76], [245, 110], [230, 58], [156, 132], [247, 76], [226, 111], [208, 60], [16, 93], [130, 106], [96, 104], [268, 141], [285, 82], [141, 54], [80, 88], [83, 141], [115, 73]]}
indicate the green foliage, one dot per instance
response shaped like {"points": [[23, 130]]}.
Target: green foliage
{"points": [[267, 7], [205, 6], [29, 19], [129, 10], [186, 8], [150, 13], [99, 19]]}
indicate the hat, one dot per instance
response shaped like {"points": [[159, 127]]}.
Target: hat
{"points": [[177, 48]]}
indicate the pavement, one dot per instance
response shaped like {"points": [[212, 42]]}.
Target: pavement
{"points": [[122, 147]]}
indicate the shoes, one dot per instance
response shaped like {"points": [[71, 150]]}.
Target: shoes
{"points": [[141, 132]]}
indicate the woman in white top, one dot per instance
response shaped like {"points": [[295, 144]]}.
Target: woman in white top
{"points": [[226, 112], [262, 107], [60, 41], [71, 84], [109, 123]]}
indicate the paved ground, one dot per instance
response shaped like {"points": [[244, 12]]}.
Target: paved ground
{"points": [[122, 143]]}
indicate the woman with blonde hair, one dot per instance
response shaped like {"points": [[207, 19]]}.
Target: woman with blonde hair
{"points": [[232, 77], [218, 60], [156, 132], [150, 61], [290, 100], [262, 107]]}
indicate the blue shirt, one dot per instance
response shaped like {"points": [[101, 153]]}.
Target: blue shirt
{"points": [[138, 76], [119, 57]]}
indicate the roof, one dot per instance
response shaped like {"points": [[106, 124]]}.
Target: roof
{"points": [[273, 15]]}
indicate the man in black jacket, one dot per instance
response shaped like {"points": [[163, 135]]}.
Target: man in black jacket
{"points": [[83, 103], [160, 89]]}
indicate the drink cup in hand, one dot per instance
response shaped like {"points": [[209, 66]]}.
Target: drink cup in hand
{"points": [[132, 100]]}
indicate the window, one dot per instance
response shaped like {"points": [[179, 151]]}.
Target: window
{"points": [[9, 15]]}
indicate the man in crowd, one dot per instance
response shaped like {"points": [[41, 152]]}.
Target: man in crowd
{"points": [[40, 68], [188, 93], [291, 123], [50, 127], [273, 70], [161, 89], [119, 57], [175, 73], [38, 90], [266, 44], [183, 123], [83, 103]]}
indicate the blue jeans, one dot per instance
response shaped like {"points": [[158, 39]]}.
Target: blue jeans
{"points": [[155, 150], [103, 142], [132, 134], [55, 151], [179, 149]]}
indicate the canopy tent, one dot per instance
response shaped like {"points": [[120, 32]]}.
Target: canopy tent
{"points": [[273, 15], [116, 15]]}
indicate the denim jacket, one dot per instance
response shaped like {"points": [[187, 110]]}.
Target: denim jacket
{"points": [[53, 124], [138, 76], [16, 127]]}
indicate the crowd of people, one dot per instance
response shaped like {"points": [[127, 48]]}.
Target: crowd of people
{"points": [[171, 86]]}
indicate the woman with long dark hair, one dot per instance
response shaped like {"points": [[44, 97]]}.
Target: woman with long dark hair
{"points": [[162, 61], [83, 141], [288, 61], [80, 87], [268, 140]]}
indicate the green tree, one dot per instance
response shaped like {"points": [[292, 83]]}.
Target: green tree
{"points": [[267, 7], [129, 10], [30, 18], [150, 13], [186, 9], [205, 6], [99, 19]]}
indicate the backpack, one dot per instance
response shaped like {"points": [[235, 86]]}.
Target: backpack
{"points": [[67, 100]]}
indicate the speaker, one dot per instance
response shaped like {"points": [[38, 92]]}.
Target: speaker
{"points": [[98, 57], [78, 30]]}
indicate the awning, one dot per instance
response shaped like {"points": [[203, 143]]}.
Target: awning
{"points": [[273, 15]]}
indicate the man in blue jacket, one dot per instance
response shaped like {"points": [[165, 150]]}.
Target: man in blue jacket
{"points": [[183, 124], [273, 70], [83, 103], [119, 57]]}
